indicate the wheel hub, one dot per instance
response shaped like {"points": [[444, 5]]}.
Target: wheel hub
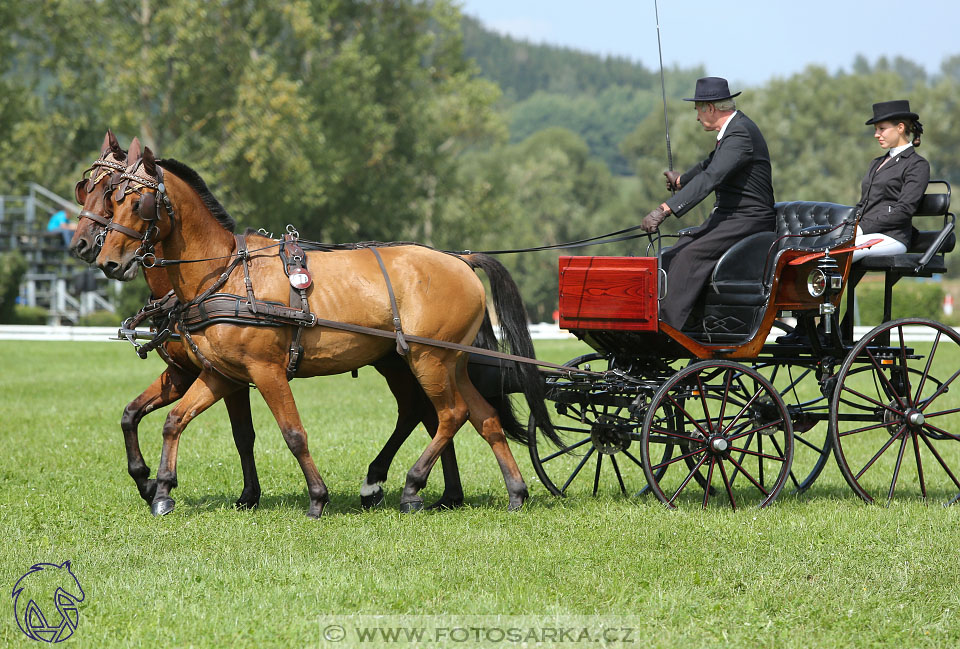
{"points": [[610, 436], [718, 445]]}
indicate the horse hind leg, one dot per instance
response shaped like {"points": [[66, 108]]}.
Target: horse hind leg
{"points": [[484, 418], [241, 421], [413, 407]]}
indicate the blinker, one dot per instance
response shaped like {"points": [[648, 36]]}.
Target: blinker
{"points": [[148, 207]]}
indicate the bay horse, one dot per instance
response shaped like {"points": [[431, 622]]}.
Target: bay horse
{"points": [[413, 407], [437, 295], [180, 372]]}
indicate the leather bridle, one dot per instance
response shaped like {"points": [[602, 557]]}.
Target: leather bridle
{"points": [[147, 208], [99, 170]]}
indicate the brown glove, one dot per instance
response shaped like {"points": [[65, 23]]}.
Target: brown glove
{"points": [[653, 220], [673, 180]]}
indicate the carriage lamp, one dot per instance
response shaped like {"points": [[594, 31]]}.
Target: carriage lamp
{"points": [[825, 281]]}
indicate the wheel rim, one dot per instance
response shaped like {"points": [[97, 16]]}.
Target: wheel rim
{"points": [[894, 414], [797, 385], [602, 434], [733, 425]]}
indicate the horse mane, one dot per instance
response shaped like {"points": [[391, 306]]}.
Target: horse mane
{"points": [[193, 179]]}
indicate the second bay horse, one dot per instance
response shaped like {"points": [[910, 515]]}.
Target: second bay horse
{"points": [[163, 210]]}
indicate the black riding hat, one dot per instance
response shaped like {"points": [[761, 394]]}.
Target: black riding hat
{"points": [[711, 89], [892, 109]]}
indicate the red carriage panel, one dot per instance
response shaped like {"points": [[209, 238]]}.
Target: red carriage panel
{"points": [[608, 293]]}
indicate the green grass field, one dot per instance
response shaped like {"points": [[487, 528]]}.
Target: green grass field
{"points": [[819, 570]]}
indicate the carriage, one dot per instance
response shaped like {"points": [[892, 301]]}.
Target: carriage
{"points": [[720, 414], [725, 412]]}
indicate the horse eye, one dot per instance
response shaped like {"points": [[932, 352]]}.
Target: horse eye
{"points": [[136, 206]]}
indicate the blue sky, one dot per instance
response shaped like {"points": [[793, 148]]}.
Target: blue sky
{"points": [[748, 41]]}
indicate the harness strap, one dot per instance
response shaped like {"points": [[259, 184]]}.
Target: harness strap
{"points": [[402, 347], [87, 214], [360, 329], [294, 258], [243, 255]]}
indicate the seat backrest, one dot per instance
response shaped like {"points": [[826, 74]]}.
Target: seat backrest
{"points": [[794, 216], [936, 199]]}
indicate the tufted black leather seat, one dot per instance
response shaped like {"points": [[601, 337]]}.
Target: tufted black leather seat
{"points": [[734, 300]]}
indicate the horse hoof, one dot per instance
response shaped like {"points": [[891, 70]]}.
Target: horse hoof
{"points": [[411, 507], [515, 506], [246, 503], [372, 500], [162, 507], [446, 502]]}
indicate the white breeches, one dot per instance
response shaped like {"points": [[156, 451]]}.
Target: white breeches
{"points": [[888, 245]]}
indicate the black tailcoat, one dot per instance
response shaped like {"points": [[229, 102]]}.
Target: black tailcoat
{"points": [[738, 170]]}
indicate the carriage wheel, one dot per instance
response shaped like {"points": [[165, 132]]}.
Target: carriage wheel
{"points": [[895, 413], [601, 437], [799, 388], [734, 426]]}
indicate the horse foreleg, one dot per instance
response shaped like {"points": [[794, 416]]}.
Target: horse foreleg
{"points": [[238, 407], [167, 388], [205, 391], [275, 390]]}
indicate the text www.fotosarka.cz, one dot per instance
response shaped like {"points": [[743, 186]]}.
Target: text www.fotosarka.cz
{"points": [[479, 630]]}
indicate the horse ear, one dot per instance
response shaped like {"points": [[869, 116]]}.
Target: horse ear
{"points": [[108, 141], [149, 162], [134, 153]]}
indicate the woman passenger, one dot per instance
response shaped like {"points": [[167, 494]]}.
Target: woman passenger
{"points": [[892, 189]]}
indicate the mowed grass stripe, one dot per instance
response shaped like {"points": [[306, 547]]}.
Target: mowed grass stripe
{"points": [[819, 570]]}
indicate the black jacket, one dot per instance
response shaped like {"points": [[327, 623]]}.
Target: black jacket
{"points": [[738, 170], [889, 196]]}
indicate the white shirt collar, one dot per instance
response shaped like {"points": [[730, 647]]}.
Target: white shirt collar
{"points": [[900, 149], [723, 129]]}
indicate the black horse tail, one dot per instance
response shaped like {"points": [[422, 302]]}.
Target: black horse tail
{"points": [[512, 314]]}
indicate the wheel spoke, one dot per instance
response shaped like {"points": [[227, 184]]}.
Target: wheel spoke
{"points": [[871, 400], [884, 378], [616, 469], [941, 431], [916, 453], [750, 477], [883, 449], [906, 368], [797, 438], [926, 369], [596, 478], [686, 480], [632, 458], [566, 450], [687, 415], [940, 390], [940, 460], [896, 468], [726, 483], [577, 470], [703, 400], [706, 488], [882, 424], [759, 454]]}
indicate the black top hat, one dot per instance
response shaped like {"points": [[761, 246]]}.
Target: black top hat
{"points": [[711, 89], [891, 109]]}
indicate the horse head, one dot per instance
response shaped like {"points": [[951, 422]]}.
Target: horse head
{"points": [[91, 192], [142, 216]]}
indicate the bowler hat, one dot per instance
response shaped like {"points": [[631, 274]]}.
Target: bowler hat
{"points": [[891, 109], [711, 89]]}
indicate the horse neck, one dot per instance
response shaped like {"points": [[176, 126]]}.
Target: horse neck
{"points": [[158, 281], [195, 234]]}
